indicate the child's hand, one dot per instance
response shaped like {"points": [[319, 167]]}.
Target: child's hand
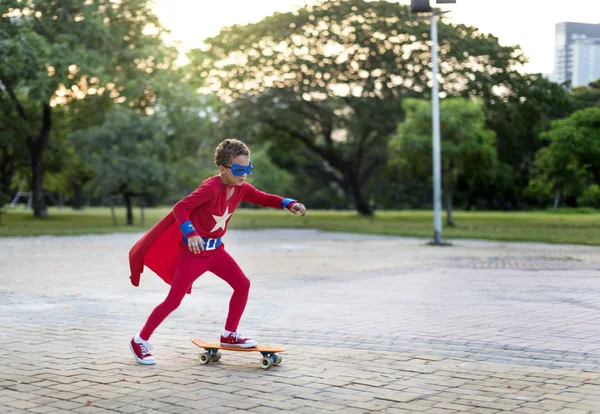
{"points": [[195, 244], [298, 207]]}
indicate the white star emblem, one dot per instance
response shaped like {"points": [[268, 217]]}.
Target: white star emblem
{"points": [[221, 221]]}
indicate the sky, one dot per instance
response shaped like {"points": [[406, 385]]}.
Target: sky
{"points": [[527, 23]]}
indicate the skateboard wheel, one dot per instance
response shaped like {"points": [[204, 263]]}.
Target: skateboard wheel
{"points": [[204, 358], [278, 360], [266, 363], [216, 357]]}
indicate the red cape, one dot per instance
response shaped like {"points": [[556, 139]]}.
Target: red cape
{"points": [[158, 250]]}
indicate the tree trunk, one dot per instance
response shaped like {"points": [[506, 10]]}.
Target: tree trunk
{"points": [[37, 182], [362, 206], [78, 197], [113, 215], [5, 182], [128, 205], [7, 171], [111, 201], [470, 201], [557, 198], [449, 218], [36, 148]]}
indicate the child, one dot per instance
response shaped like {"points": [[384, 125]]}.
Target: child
{"points": [[187, 243]]}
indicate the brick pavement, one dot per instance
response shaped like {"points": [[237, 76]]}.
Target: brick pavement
{"points": [[370, 324]]}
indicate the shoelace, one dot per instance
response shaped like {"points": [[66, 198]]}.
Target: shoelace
{"points": [[237, 335], [145, 347]]}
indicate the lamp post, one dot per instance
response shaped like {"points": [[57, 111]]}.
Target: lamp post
{"points": [[422, 6], [435, 105]]}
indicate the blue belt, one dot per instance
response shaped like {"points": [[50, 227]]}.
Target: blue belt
{"points": [[209, 244]]}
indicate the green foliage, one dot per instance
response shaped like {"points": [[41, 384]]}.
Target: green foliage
{"points": [[583, 129], [13, 151], [128, 154], [309, 179], [525, 106], [316, 93], [540, 190], [590, 197], [267, 176], [556, 174], [67, 50], [571, 160], [365, 48], [193, 127], [55, 53], [587, 96], [467, 146], [332, 78]]}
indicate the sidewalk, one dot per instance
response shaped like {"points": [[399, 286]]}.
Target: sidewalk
{"points": [[369, 323]]}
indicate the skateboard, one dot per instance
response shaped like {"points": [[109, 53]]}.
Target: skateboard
{"points": [[213, 353]]}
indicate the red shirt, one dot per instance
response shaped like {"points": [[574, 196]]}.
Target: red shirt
{"points": [[209, 210]]}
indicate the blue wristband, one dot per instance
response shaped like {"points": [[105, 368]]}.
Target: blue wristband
{"points": [[286, 202], [186, 228]]}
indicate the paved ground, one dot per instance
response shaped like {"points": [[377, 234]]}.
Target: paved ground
{"points": [[370, 324]]}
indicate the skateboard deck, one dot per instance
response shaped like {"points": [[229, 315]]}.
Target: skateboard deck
{"points": [[213, 353]]}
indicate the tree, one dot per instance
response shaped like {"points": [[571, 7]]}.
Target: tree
{"points": [[332, 77], [526, 107], [556, 173], [67, 167], [13, 152], [571, 161], [587, 96], [267, 175], [54, 52], [582, 132], [129, 155], [467, 146], [194, 126]]}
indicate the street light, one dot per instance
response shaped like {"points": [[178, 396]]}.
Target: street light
{"points": [[422, 6]]}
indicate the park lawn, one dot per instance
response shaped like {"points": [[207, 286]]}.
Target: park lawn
{"points": [[541, 226]]}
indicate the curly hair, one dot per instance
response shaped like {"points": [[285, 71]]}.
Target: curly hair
{"points": [[228, 150]]}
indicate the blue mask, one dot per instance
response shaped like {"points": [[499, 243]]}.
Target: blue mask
{"points": [[239, 170]]}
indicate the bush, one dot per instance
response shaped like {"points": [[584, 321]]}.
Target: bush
{"points": [[590, 197]]}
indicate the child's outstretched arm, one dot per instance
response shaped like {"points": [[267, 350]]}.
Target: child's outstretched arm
{"points": [[181, 210], [255, 196]]}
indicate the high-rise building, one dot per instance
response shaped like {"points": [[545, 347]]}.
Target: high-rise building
{"points": [[577, 53], [586, 61]]}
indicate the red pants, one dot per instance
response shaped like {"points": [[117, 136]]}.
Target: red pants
{"points": [[190, 268]]}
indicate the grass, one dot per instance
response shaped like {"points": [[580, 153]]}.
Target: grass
{"points": [[563, 226]]}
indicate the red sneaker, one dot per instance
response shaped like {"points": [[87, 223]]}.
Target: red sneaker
{"points": [[140, 351], [235, 340]]}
